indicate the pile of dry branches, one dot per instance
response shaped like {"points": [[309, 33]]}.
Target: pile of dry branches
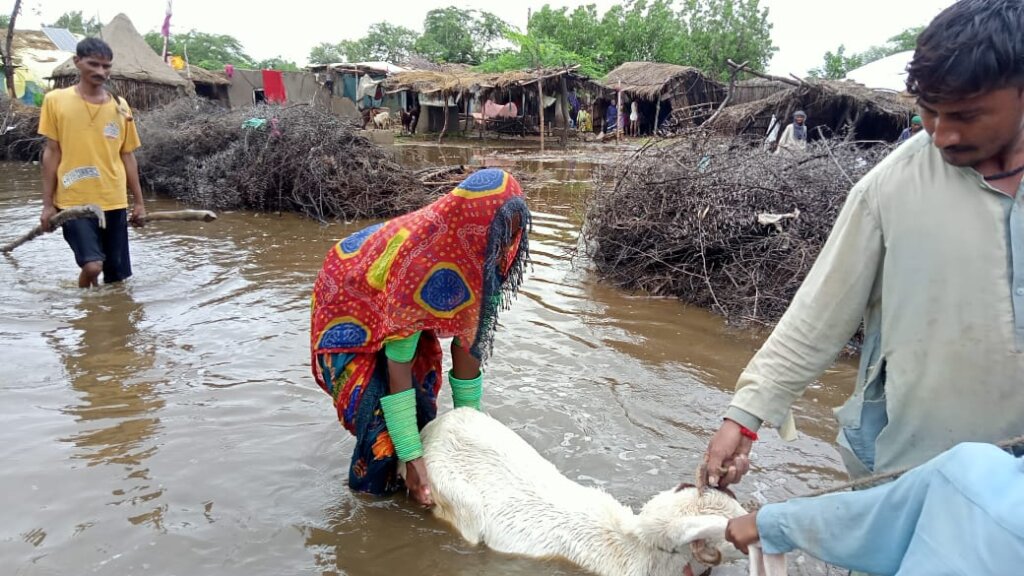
{"points": [[272, 158], [19, 126], [719, 222]]}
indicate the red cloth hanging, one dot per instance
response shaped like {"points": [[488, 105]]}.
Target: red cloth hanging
{"points": [[273, 86]]}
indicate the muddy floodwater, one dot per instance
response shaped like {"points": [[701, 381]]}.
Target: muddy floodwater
{"points": [[170, 425]]}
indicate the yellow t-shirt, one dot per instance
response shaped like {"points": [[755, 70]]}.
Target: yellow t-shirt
{"points": [[92, 138]]}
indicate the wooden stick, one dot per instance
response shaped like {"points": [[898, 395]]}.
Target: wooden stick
{"points": [[58, 219], [94, 211], [784, 80], [181, 216]]}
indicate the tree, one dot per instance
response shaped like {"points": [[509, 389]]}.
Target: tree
{"points": [[460, 36], [326, 53], [74, 22], [701, 33], [533, 52], [837, 64], [383, 42], [276, 63], [719, 30], [389, 43], [210, 51]]}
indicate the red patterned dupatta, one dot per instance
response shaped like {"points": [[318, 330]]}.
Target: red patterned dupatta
{"points": [[446, 269]]}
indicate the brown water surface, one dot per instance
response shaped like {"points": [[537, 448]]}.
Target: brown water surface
{"points": [[169, 425]]}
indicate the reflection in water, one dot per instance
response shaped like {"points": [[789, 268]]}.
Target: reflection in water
{"points": [[117, 404], [183, 400]]}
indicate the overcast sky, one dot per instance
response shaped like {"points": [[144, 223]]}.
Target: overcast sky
{"points": [[803, 29]]}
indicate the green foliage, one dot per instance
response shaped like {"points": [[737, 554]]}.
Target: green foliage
{"points": [[326, 53], [837, 63], [5, 20], [719, 30], [460, 36], [210, 51], [533, 52], [277, 63], [74, 22], [700, 33], [383, 42]]}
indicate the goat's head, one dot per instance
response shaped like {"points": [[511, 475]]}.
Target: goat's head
{"points": [[686, 522]]}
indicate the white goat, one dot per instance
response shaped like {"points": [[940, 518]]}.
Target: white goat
{"points": [[497, 490], [382, 121]]}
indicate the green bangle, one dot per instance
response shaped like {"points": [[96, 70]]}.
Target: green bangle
{"points": [[467, 392], [400, 418]]}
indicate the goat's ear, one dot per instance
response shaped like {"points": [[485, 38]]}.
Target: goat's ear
{"points": [[686, 529], [762, 564]]}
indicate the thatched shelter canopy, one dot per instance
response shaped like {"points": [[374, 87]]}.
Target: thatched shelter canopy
{"points": [[133, 58], [199, 75], [836, 106], [138, 73], [657, 80], [462, 80], [35, 51]]}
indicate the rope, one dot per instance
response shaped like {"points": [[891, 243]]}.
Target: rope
{"points": [[869, 481], [865, 482]]}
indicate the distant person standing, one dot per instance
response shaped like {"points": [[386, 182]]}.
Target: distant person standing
{"points": [[583, 121], [794, 137], [914, 128], [611, 119], [634, 119], [89, 159]]}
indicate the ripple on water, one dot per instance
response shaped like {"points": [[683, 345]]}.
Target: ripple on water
{"points": [[171, 424]]}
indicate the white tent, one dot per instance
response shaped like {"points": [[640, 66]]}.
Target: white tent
{"points": [[889, 73]]}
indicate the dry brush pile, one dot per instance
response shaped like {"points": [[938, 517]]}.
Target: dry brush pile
{"points": [[272, 158], [720, 223]]}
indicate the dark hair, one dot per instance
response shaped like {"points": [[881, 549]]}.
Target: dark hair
{"points": [[972, 47], [95, 48]]}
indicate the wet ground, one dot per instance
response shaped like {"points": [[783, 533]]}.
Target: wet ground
{"points": [[169, 425]]}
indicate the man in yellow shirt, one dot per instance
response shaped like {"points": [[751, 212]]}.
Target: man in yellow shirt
{"points": [[89, 159]]}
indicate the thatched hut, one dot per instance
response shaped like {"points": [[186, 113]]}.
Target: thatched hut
{"points": [[835, 106], [659, 89], [138, 74], [213, 86], [465, 94]]}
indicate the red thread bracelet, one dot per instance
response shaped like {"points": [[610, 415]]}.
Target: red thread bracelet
{"points": [[748, 433]]}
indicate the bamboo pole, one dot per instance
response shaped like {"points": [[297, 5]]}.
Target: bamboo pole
{"points": [[565, 111], [618, 113], [657, 114], [444, 128], [540, 92], [8, 56]]}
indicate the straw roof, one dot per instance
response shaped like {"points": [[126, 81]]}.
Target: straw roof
{"points": [[454, 80], [133, 59], [648, 80], [204, 76], [28, 39], [836, 105]]}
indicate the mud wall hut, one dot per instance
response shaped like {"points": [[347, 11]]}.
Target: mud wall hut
{"points": [[138, 74], [248, 87], [660, 89]]}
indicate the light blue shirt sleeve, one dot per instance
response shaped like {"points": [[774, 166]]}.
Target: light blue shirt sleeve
{"points": [[959, 513]]}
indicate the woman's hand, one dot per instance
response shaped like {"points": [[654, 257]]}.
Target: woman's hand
{"points": [[416, 481]]}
